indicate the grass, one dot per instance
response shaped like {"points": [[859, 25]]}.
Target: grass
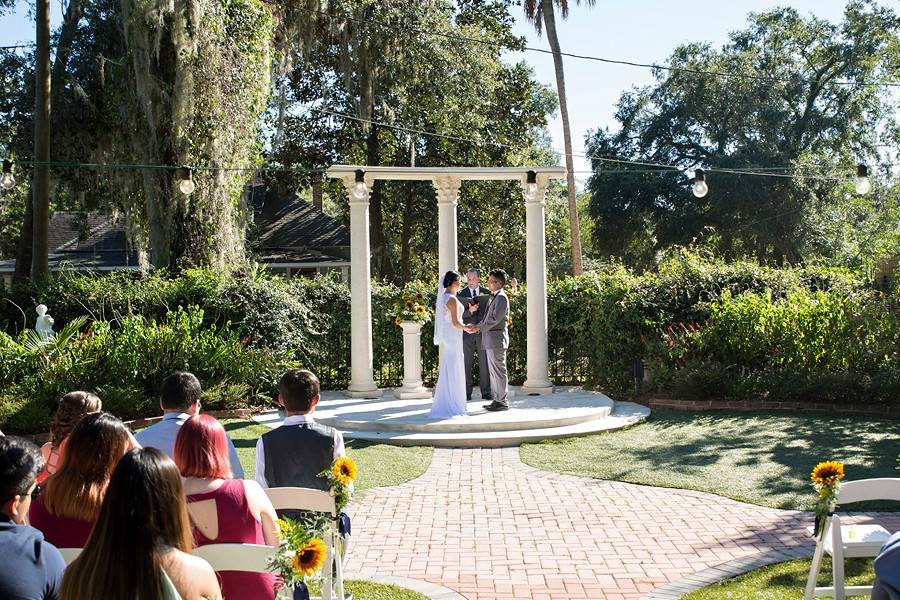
{"points": [[784, 581], [367, 590], [761, 458], [379, 464]]}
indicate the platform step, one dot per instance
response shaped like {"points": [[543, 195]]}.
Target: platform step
{"points": [[624, 415]]}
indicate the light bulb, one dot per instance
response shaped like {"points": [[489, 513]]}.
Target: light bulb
{"points": [[187, 187], [862, 183], [186, 183], [7, 180], [699, 188]]}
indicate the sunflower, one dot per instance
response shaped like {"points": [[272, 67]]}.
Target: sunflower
{"points": [[398, 321], [409, 305], [827, 473], [344, 469], [420, 296], [310, 557], [420, 309]]}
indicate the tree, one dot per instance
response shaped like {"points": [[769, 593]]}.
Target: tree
{"points": [[540, 13], [785, 108]]}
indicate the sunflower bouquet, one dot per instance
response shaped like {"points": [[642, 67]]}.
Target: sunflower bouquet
{"points": [[302, 551], [340, 479], [826, 479], [411, 305]]}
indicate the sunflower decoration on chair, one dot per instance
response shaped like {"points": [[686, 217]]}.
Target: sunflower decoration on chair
{"points": [[340, 478], [302, 552], [826, 479]]}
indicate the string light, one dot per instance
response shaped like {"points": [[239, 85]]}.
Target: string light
{"points": [[700, 189], [7, 180], [862, 183], [531, 186], [359, 188], [186, 181]]}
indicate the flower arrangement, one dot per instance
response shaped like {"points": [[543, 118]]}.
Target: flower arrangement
{"points": [[340, 479], [302, 551], [411, 306], [826, 479]]}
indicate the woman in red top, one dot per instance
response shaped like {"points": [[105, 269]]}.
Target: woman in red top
{"points": [[72, 407], [70, 502], [224, 510]]}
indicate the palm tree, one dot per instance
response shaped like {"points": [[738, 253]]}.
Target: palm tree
{"points": [[540, 13]]}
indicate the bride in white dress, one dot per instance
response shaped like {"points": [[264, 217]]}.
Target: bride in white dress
{"points": [[450, 391]]}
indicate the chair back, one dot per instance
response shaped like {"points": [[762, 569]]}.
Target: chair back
{"points": [[69, 554], [297, 498], [250, 558], [883, 488]]}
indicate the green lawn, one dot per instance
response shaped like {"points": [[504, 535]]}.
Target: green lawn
{"points": [[366, 590], [379, 464], [784, 581], [761, 458]]}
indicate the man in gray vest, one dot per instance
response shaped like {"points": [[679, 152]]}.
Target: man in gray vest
{"points": [[475, 298], [294, 454]]}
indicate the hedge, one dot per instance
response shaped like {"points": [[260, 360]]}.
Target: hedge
{"points": [[702, 328]]}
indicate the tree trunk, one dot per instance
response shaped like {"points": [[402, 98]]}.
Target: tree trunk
{"points": [[405, 242], [23, 252], [383, 266], [41, 187], [574, 227]]}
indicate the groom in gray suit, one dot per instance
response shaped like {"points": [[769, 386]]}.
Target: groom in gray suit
{"points": [[495, 340]]}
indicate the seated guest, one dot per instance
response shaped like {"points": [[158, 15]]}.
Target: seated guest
{"points": [[294, 454], [179, 400], [32, 567], [887, 570], [67, 508], [140, 547], [224, 510], [72, 407]]}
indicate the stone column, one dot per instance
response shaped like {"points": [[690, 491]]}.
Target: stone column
{"points": [[537, 379], [412, 363], [447, 189], [362, 383]]}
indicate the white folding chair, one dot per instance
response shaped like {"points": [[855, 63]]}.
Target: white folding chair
{"points": [[250, 558], [850, 541], [69, 554], [295, 498]]}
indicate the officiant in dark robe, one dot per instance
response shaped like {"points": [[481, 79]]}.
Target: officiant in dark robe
{"points": [[471, 294]]}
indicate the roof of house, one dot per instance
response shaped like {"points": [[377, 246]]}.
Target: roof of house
{"points": [[286, 230]]}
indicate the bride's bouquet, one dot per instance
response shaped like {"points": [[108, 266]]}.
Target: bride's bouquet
{"points": [[411, 305]]}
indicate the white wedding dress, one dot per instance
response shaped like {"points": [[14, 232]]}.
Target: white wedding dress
{"points": [[450, 391]]}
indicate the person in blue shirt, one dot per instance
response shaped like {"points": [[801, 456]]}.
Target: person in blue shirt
{"points": [[887, 570], [30, 568], [180, 400]]}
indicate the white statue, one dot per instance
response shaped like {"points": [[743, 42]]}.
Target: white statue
{"points": [[44, 323]]}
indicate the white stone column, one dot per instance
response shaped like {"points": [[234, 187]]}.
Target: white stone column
{"points": [[538, 377], [412, 363], [447, 191], [362, 383]]}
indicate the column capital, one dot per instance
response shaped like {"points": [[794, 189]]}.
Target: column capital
{"points": [[447, 189], [538, 194], [349, 182]]}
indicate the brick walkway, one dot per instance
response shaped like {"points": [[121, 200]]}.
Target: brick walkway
{"points": [[484, 524]]}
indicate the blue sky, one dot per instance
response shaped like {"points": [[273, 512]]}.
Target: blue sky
{"points": [[638, 30]]}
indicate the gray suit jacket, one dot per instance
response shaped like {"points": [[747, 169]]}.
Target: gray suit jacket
{"points": [[494, 330]]}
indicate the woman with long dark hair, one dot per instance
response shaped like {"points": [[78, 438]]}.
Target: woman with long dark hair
{"points": [[67, 508], [450, 391], [140, 546]]}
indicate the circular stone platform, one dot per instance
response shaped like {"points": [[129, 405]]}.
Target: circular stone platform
{"points": [[568, 412]]}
